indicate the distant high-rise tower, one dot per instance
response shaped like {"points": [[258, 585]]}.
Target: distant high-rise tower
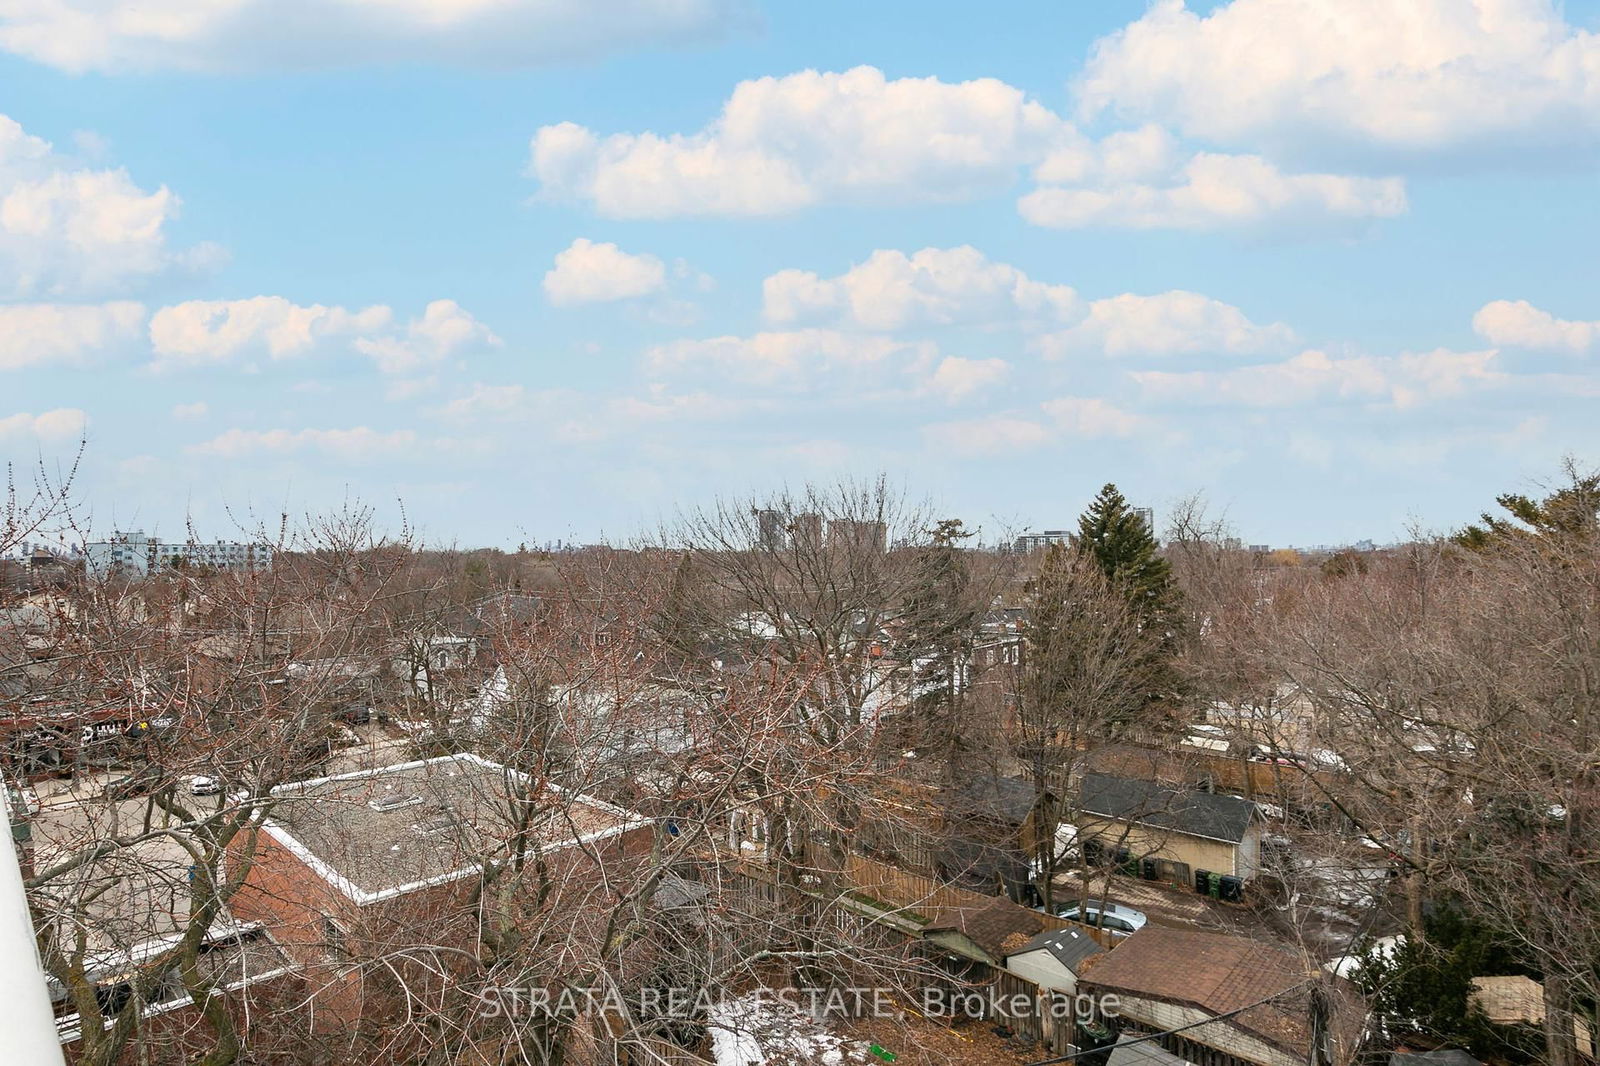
{"points": [[806, 529], [770, 533], [851, 533]]}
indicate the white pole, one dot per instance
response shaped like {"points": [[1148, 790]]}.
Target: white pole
{"points": [[27, 1024]]}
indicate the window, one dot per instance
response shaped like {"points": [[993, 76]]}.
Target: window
{"points": [[335, 937]]}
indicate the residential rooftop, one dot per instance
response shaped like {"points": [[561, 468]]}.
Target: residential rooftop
{"points": [[379, 833], [1214, 973], [233, 957], [1069, 946], [1191, 812]]}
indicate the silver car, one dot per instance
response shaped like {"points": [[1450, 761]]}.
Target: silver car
{"points": [[1112, 917]]}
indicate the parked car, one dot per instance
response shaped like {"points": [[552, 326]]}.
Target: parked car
{"points": [[199, 785], [1275, 757], [1112, 917], [131, 786]]}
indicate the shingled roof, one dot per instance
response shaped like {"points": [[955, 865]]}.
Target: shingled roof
{"points": [[988, 926], [1200, 814], [1008, 799], [1069, 946], [1214, 973]]}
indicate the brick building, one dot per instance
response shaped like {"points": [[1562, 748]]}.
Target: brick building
{"points": [[348, 867]]}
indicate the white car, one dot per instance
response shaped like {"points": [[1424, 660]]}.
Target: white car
{"points": [[204, 786], [1112, 917]]}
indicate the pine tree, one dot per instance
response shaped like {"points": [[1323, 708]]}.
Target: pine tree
{"points": [[1122, 545], [678, 621], [1119, 542], [1571, 512], [1092, 669]]}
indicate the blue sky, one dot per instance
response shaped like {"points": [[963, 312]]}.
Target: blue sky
{"points": [[545, 273]]}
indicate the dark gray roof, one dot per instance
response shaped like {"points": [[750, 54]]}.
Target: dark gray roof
{"points": [[1010, 798], [1200, 814], [972, 861], [1069, 946], [1432, 1058], [501, 608]]}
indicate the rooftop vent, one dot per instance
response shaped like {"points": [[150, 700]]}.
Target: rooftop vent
{"points": [[393, 803]]}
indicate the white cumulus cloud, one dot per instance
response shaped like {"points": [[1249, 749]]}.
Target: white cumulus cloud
{"points": [[215, 332], [1387, 78], [49, 427], [784, 143], [67, 229], [66, 334], [956, 378], [236, 35], [444, 331], [1092, 416], [998, 434], [1402, 381], [1212, 191], [935, 286], [219, 331], [1519, 324], [793, 358], [485, 401], [1169, 323], [587, 272]]}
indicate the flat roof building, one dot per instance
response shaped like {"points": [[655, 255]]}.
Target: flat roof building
{"points": [[376, 834], [134, 554]]}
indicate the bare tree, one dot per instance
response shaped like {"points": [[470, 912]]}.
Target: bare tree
{"points": [[1088, 682]]}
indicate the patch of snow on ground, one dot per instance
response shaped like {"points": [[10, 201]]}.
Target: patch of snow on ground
{"points": [[758, 1029]]}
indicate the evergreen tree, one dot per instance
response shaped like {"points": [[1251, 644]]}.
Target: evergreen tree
{"points": [[1123, 546], [1422, 987], [1571, 512], [679, 622], [1119, 543]]}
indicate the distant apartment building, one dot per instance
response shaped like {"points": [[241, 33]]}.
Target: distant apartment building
{"points": [[1034, 541], [851, 533], [806, 531], [134, 554], [771, 530]]}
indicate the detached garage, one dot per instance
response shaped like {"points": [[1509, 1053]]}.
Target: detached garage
{"points": [[1200, 830]]}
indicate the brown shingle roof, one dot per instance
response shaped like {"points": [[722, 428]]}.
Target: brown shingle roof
{"points": [[1215, 973], [988, 926]]}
